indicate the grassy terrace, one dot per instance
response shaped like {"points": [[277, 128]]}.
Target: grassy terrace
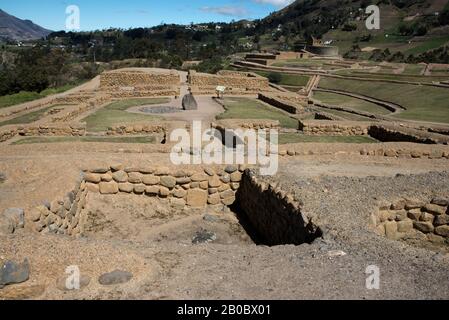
{"points": [[35, 140], [25, 96], [427, 45], [27, 118], [422, 102], [353, 103], [346, 115], [116, 113], [245, 108], [402, 77], [285, 138]]}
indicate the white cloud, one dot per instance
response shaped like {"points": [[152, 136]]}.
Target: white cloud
{"points": [[227, 11], [276, 3]]}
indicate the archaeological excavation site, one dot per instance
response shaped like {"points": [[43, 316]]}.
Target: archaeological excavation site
{"points": [[249, 160], [90, 184]]}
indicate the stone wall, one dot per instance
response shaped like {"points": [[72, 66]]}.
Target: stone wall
{"points": [[275, 215], [281, 103], [74, 98], [244, 81], [136, 128], [183, 187], [7, 134], [246, 124], [65, 216], [426, 220], [386, 132], [155, 92], [192, 188], [137, 79], [43, 130], [333, 128], [390, 150]]}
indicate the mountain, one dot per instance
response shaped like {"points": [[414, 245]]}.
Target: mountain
{"points": [[17, 29]]}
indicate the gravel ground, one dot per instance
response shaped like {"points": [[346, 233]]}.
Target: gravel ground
{"points": [[339, 192]]}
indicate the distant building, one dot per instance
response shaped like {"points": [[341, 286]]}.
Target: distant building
{"points": [[319, 47]]}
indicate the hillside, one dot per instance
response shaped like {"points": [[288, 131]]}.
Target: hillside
{"points": [[17, 29], [412, 26]]}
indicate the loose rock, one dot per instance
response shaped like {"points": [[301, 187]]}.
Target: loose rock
{"points": [[13, 273], [204, 236], [16, 215]]}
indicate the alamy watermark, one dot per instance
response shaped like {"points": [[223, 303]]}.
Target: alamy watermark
{"points": [[73, 18], [213, 146], [373, 21], [373, 279], [72, 281]]}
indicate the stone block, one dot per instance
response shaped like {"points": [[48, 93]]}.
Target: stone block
{"points": [[425, 227], [168, 182], [434, 209], [405, 226], [109, 187], [442, 231], [92, 177], [120, 176], [196, 198], [126, 187]]}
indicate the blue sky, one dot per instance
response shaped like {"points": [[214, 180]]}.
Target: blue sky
{"points": [[100, 14]]}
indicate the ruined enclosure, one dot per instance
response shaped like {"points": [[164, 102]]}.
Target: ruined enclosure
{"points": [[225, 206]]}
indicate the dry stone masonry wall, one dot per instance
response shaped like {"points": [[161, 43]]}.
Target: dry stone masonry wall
{"points": [[273, 213], [390, 150], [129, 83], [429, 220], [192, 188], [334, 128], [138, 79], [255, 124], [386, 132], [75, 130], [136, 129], [65, 216], [239, 82], [183, 187], [283, 102]]}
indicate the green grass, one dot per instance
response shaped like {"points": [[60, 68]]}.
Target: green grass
{"points": [[34, 140], [245, 108], [285, 138], [288, 79], [414, 69], [26, 118], [382, 76], [423, 103], [353, 103], [432, 43], [115, 113], [25, 96]]}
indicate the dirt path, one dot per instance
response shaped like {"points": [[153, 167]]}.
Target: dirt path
{"points": [[27, 106]]}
